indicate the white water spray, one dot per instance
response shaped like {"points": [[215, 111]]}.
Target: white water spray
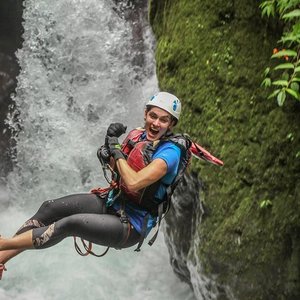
{"points": [[76, 78]]}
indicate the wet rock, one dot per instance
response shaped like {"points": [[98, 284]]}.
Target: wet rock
{"points": [[10, 41]]}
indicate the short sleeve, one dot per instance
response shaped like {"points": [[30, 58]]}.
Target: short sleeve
{"points": [[170, 153]]}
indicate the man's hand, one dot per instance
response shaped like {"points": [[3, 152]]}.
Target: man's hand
{"points": [[116, 129], [114, 147]]}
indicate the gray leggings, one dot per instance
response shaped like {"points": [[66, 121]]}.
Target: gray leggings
{"points": [[81, 215]]}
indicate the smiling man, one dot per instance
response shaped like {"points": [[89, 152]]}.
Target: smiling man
{"points": [[149, 170], [148, 164]]}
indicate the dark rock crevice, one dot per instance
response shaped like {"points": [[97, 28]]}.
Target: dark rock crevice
{"points": [[10, 40]]}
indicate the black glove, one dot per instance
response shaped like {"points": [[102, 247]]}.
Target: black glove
{"points": [[114, 147], [116, 129]]}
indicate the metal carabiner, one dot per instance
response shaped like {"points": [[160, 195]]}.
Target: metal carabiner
{"points": [[104, 158]]}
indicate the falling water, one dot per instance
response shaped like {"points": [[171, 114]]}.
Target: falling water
{"points": [[78, 74]]}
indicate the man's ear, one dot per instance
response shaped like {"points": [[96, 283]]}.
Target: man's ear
{"points": [[173, 123]]}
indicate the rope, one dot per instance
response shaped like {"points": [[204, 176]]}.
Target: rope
{"points": [[88, 249]]}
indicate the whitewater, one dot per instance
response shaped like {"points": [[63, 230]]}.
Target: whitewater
{"points": [[82, 67]]}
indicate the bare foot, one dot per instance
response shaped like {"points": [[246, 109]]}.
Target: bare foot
{"points": [[6, 255], [1, 242]]}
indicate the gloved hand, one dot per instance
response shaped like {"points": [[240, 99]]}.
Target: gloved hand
{"points": [[116, 129], [114, 147]]}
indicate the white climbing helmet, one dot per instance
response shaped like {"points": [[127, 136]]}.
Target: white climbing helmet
{"points": [[168, 102]]}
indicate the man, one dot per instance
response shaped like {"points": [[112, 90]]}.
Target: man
{"points": [[149, 164]]}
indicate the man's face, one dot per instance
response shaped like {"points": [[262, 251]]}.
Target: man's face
{"points": [[157, 122]]}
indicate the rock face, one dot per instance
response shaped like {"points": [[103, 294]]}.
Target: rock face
{"points": [[183, 215], [10, 41], [212, 55]]}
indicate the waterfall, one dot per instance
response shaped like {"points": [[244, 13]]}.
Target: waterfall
{"points": [[80, 71]]}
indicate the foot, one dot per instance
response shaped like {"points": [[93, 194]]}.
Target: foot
{"points": [[0, 242], [2, 269]]}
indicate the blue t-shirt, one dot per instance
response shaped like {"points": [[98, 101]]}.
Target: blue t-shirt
{"points": [[170, 153]]}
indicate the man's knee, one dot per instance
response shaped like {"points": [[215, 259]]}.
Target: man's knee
{"points": [[45, 210]]}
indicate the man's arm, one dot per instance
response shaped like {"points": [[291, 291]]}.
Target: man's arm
{"points": [[136, 181]]}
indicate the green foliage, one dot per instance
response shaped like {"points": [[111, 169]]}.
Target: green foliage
{"points": [[265, 203], [286, 73], [210, 66]]}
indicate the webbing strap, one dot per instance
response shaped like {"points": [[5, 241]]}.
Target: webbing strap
{"points": [[160, 213], [123, 217], [126, 234], [143, 233]]}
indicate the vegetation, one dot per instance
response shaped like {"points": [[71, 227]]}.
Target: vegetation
{"points": [[284, 77], [211, 54]]}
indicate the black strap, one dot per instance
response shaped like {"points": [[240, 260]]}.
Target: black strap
{"points": [[160, 213], [126, 234], [143, 233], [123, 217]]}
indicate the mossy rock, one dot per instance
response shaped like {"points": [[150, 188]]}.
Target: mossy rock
{"points": [[212, 55]]}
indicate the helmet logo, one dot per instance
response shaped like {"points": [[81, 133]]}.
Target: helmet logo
{"points": [[175, 104]]}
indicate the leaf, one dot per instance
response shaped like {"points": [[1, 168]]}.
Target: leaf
{"points": [[297, 69], [293, 14], [267, 71], [284, 66], [266, 82], [295, 79], [280, 82], [268, 8], [285, 75], [295, 86], [293, 93], [281, 97], [290, 37], [282, 53], [274, 94], [290, 136], [264, 4], [265, 203]]}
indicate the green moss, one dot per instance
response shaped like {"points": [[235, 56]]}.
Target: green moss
{"points": [[212, 55]]}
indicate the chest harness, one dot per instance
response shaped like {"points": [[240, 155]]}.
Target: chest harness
{"points": [[139, 153]]}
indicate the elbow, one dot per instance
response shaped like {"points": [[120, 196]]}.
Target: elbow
{"points": [[132, 187]]}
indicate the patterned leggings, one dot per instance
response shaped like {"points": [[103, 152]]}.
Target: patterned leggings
{"points": [[80, 215]]}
